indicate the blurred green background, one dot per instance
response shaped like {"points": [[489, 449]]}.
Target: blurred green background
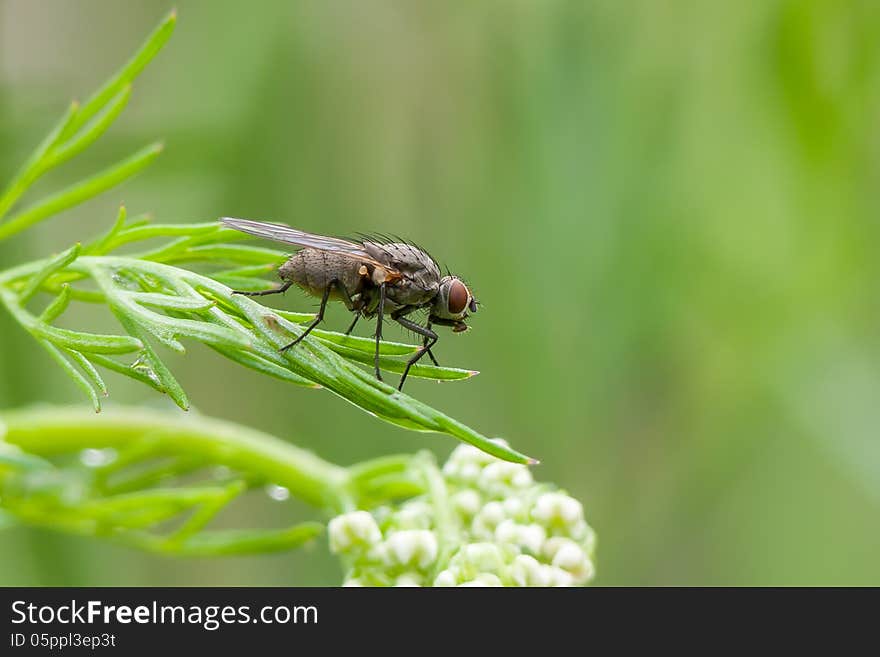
{"points": [[669, 209]]}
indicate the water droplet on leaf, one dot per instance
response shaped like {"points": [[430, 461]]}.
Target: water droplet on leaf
{"points": [[277, 493], [94, 458]]}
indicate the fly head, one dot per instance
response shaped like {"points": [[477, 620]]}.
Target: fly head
{"points": [[453, 303]]}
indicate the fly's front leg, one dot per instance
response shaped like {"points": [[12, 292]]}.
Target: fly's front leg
{"points": [[379, 311], [278, 290], [406, 310], [319, 317], [427, 348], [429, 339]]}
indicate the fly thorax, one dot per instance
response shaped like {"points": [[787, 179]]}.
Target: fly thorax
{"points": [[407, 292]]}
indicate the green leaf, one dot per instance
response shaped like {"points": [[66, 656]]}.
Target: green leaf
{"points": [[55, 309], [127, 74], [154, 364], [81, 191], [138, 374], [264, 366], [138, 233], [52, 265], [207, 510], [88, 342], [90, 133], [214, 253], [236, 542], [244, 284], [398, 366], [34, 166], [89, 370], [364, 345], [170, 302], [81, 381]]}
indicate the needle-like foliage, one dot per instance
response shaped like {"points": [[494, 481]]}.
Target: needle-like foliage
{"points": [[158, 482]]}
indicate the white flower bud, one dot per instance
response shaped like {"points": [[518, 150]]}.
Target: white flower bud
{"points": [[492, 513], [507, 531], [467, 502], [451, 469], [479, 558], [572, 559], [446, 578], [379, 554], [555, 509], [530, 537], [553, 544], [487, 519], [513, 507], [568, 556], [557, 577], [580, 531], [504, 474], [351, 531], [528, 571], [511, 532], [412, 547], [469, 472], [470, 454], [409, 579], [585, 537], [484, 579], [415, 515]]}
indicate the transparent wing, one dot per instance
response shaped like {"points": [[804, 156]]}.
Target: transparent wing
{"points": [[288, 235]]}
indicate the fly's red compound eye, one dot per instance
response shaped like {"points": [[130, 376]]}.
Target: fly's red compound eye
{"points": [[458, 297]]}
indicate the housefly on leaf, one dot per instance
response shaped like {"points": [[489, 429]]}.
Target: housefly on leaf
{"points": [[372, 277]]}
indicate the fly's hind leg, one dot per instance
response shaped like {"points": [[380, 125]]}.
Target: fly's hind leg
{"points": [[320, 316], [276, 290], [353, 306]]}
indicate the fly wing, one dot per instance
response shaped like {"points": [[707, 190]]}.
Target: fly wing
{"points": [[288, 235]]}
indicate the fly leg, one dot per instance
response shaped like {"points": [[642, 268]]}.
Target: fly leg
{"points": [[406, 310], [379, 311], [277, 290], [320, 316], [427, 348], [429, 339], [353, 306], [357, 316], [379, 316]]}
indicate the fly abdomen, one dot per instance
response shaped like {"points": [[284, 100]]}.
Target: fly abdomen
{"points": [[314, 270]]}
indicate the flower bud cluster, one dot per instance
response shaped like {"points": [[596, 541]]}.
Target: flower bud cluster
{"points": [[498, 528]]}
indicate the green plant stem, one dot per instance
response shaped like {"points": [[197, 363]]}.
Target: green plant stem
{"points": [[446, 526], [53, 431]]}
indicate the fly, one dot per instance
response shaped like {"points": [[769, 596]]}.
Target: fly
{"points": [[373, 277]]}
